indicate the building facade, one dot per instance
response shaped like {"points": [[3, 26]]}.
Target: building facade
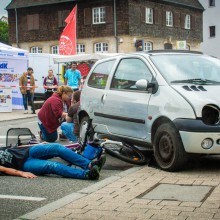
{"points": [[211, 28], [107, 25]]}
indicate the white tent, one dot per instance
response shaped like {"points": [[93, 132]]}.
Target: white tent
{"points": [[83, 57], [13, 62]]}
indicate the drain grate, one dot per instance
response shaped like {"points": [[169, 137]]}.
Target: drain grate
{"points": [[184, 193]]}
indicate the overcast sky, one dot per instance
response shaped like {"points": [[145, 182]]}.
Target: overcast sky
{"points": [[3, 4]]}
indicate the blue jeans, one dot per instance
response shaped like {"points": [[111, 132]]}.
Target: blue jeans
{"points": [[49, 137], [28, 98], [67, 129], [38, 163]]}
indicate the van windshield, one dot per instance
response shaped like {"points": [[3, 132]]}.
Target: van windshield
{"points": [[188, 68]]}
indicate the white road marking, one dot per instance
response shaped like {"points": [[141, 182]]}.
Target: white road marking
{"points": [[21, 198]]}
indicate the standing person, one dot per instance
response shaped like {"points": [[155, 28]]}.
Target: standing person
{"points": [[70, 127], [50, 84], [52, 114], [73, 77], [29, 161], [27, 87]]}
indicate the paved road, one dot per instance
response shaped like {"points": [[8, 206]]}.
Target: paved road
{"points": [[30, 194]]}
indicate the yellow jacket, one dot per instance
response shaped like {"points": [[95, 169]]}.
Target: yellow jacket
{"points": [[23, 82]]}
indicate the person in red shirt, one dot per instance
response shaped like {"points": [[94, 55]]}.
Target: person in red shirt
{"points": [[52, 114]]}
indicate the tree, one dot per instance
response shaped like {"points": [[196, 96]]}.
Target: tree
{"points": [[4, 32]]}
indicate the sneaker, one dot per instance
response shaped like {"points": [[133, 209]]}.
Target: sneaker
{"points": [[92, 174], [99, 163], [62, 137], [26, 112]]}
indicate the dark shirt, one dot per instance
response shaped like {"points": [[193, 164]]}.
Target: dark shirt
{"points": [[13, 157]]}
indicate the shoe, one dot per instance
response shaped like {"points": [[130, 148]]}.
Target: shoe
{"points": [[92, 174], [26, 112], [62, 137], [33, 112], [99, 163]]}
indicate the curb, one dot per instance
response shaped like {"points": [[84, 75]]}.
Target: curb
{"points": [[76, 195]]}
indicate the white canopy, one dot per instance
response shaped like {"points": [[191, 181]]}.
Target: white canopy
{"points": [[6, 50], [83, 57]]}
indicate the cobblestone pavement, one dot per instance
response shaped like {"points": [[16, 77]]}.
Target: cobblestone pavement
{"points": [[122, 199]]}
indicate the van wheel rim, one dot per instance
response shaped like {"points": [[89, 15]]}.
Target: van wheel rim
{"points": [[166, 148]]}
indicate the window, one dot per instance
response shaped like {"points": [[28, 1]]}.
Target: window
{"points": [[212, 31], [55, 49], [168, 46], [148, 46], [99, 76], [33, 22], [98, 15], [187, 22], [211, 3], [101, 48], [126, 75], [80, 48], [169, 18], [149, 15], [36, 50]]}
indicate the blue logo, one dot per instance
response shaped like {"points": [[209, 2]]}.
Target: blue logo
{"points": [[3, 65]]}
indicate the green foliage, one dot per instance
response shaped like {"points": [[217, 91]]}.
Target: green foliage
{"points": [[4, 32]]}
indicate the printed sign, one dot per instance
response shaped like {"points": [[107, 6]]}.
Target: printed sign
{"points": [[5, 100]]}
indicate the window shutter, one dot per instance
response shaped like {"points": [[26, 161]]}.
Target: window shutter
{"points": [[143, 14], [157, 15], [164, 18], [30, 22], [87, 16], [176, 19], [36, 21], [60, 18], [182, 20], [192, 22], [109, 14]]}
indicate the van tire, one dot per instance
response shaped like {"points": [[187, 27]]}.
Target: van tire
{"points": [[169, 152]]}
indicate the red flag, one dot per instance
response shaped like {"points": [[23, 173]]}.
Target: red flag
{"points": [[67, 45]]}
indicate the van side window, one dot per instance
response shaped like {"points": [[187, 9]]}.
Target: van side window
{"points": [[128, 72], [100, 74]]}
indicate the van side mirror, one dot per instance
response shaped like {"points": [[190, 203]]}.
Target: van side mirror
{"points": [[142, 84]]}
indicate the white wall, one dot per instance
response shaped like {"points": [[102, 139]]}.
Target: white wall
{"points": [[211, 17]]}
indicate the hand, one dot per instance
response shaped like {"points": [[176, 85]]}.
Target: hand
{"points": [[28, 175]]}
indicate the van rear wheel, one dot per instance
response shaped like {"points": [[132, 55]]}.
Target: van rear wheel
{"points": [[169, 152]]}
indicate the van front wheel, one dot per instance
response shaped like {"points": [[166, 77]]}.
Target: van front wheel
{"points": [[169, 152]]}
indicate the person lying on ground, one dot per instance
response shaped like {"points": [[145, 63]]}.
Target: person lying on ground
{"points": [[29, 161]]}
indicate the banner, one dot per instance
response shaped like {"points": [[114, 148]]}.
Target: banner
{"points": [[67, 44], [5, 99], [10, 71]]}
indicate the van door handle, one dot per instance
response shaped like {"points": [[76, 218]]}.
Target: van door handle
{"points": [[103, 99]]}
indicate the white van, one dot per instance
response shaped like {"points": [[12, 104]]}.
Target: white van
{"points": [[167, 101], [41, 63]]}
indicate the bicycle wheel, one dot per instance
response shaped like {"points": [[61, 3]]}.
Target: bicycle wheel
{"points": [[126, 152]]}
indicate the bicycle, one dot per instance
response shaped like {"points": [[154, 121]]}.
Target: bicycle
{"points": [[115, 147]]}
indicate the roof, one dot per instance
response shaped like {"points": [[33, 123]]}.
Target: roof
{"points": [[187, 3], [31, 3]]}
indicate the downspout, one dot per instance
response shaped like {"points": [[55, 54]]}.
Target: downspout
{"points": [[16, 23], [115, 27]]}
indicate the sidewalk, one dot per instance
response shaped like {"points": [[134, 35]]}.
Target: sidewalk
{"points": [[139, 193], [16, 114]]}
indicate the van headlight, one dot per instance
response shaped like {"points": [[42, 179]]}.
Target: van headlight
{"points": [[207, 143], [210, 115]]}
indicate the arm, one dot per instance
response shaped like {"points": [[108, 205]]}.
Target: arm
{"points": [[14, 172], [65, 81]]}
